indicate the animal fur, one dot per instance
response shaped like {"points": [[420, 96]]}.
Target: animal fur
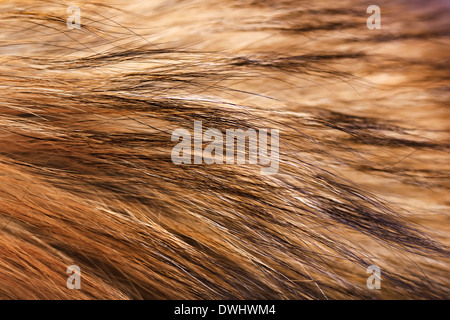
{"points": [[86, 177]]}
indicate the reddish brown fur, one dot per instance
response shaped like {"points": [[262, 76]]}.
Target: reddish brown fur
{"points": [[86, 176]]}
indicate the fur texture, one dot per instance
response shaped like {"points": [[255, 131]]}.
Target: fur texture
{"points": [[86, 176]]}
